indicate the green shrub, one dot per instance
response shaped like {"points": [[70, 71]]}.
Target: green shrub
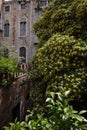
{"points": [[60, 63], [7, 68], [60, 116], [67, 17]]}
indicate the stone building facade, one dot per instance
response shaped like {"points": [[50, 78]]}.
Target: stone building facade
{"points": [[16, 29], [16, 21]]}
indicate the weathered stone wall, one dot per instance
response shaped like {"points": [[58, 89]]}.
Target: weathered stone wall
{"points": [[14, 17], [15, 98], [10, 97]]}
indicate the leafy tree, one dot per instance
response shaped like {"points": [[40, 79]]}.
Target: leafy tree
{"points": [[60, 64], [65, 17]]}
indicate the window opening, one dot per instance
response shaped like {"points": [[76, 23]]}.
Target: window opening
{"points": [[23, 54], [22, 6], [42, 3], [6, 30], [23, 28], [7, 8]]}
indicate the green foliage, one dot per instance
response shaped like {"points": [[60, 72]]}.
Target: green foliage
{"points": [[7, 65], [65, 17], [7, 51], [60, 63], [16, 126], [60, 116], [7, 68]]}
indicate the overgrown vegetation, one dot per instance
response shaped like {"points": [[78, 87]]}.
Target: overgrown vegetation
{"points": [[8, 65], [7, 69], [67, 17], [60, 116], [60, 63], [61, 60]]}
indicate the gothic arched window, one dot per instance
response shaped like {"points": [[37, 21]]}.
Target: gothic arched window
{"points": [[22, 54], [6, 29], [23, 27]]}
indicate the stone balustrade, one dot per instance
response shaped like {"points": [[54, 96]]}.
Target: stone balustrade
{"points": [[24, 68]]}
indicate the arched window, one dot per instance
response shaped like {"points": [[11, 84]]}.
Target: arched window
{"points": [[6, 53], [23, 27], [23, 54], [6, 29]]}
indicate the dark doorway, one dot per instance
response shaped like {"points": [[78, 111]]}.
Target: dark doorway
{"points": [[23, 54], [16, 112]]}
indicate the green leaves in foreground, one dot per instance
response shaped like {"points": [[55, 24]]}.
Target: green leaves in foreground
{"points": [[60, 116]]}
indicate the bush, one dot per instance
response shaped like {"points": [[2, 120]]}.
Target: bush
{"points": [[60, 116], [60, 63], [7, 68], [67, 17]]}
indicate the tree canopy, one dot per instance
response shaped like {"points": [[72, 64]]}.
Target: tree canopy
{"points": [[64, 16], [60, 64], [61, 60]]}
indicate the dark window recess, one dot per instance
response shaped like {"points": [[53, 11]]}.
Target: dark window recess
{"points": [[6, 30], [16, 112], [22, 6], [23, 54], [42, 3], [7, 8], [6, 53], [35, 43], [22, 28]]}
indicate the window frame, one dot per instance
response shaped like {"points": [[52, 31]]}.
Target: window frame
{"points": [[22, 5], [8, 29], [23, 53], [8, 10], [42, 3], [23, 20]]}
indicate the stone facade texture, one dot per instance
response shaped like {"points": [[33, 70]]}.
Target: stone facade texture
{"points": [[14, 100], [14, 16]]}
